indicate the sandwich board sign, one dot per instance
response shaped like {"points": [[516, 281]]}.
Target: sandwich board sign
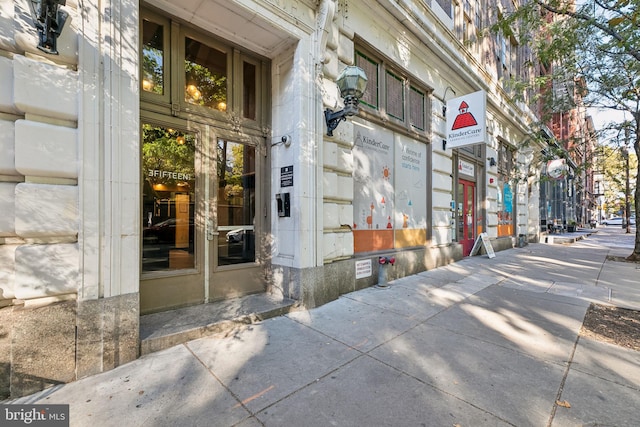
{"points": [[483, 239]]}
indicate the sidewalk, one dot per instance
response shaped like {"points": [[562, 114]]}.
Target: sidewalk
{"points": [[480, 342]]}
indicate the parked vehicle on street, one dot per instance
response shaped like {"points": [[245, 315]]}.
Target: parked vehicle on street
{"points": [[618, 220]]}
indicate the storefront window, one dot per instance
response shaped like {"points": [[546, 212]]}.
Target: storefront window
{"points": [[505, 192], [236, 202], [168, 228], [390, 179]]}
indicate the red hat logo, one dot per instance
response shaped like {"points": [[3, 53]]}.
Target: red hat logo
{"points": [[464, 119]]}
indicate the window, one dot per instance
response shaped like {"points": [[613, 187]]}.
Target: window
{"points": [[184, 70], [446, 6], [205, 75], [168, 197], [395, 98], [370, 68], [417, 108], [466, 29], [236, 202], [505, 191], [153, 69], [249, 87]]}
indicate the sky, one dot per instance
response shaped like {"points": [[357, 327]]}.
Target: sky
{"points": [[603, 116]]}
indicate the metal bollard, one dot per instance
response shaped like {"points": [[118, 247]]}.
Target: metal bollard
{"points": [[383, 263]]}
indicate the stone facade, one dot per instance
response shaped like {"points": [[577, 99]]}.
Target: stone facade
{"points": [[61, 319], [70, 186]]}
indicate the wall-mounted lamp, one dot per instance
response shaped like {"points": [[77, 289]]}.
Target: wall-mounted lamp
{"points": [[444, 145], [444, 99], [352, 83], [49, 21], [492, 161]]}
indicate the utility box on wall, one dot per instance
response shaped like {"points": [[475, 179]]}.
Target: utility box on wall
{"points": [[284, 204]]}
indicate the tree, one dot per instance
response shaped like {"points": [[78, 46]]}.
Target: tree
{"points": [[597, 42], [613, 164]]}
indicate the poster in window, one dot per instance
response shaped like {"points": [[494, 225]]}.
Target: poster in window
{"points": [[373, 200], [505, 209], [410, 193]]}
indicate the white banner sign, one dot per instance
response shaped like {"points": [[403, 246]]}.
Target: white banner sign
{"points": [[466, 120]]}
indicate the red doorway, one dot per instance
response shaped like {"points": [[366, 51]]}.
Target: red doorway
{"points": [[466, 215]]}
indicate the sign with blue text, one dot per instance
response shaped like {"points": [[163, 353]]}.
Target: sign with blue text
{"points": [[466, 120]]}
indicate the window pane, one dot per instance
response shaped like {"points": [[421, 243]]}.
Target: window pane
{"points": [[205, 75], [370, 68], [416, 103], [395, 96], [249, 90], [236, 202], [446, 6], [460, 212], [168, 196], [152, 57], [469, 207]]}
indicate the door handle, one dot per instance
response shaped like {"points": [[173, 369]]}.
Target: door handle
{"points": [[211, 232]]}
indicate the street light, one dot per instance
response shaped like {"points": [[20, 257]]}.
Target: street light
{"points": [[49, 20], [352, 83]]}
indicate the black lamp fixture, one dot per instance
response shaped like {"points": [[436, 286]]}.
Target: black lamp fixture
{"points": [[49, 21], [352, 83], [492, 161], [444, 99]]}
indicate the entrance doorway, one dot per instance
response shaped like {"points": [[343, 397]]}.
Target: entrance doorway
{"points": [[466, 215], [204, 108], [199, 223]]}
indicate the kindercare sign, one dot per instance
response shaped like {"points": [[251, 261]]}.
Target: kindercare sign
{"points": [[466, 120]]}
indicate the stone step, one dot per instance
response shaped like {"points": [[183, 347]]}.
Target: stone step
{"points": [[159, 331]]}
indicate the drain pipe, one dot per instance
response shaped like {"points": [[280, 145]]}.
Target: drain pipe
{"points": [[383, 266]]}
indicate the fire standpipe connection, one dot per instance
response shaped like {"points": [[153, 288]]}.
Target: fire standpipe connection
{"points": [[383, 266]]}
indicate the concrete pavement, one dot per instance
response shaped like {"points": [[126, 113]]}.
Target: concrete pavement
{"points": [[480, 342]]}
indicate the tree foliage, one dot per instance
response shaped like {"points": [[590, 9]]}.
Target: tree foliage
{"points": [[167, 150], [595, 43], [612, 163]]}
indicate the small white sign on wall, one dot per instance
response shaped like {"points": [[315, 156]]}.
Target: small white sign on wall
{"points": [[466, 168], [363, 269]]}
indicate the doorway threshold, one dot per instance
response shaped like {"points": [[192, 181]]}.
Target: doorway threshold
{"points": [[159, 331]]}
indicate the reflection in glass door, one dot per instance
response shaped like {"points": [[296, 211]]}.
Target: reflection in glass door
{"points": [[168, 199], [466, 215], [236, 202]]}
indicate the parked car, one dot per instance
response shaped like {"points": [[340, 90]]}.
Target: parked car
{"points": [[165, 231], [235, 236], [618, 220]]}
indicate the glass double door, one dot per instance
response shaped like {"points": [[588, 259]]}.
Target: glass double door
{"points": [[200, 193]]}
